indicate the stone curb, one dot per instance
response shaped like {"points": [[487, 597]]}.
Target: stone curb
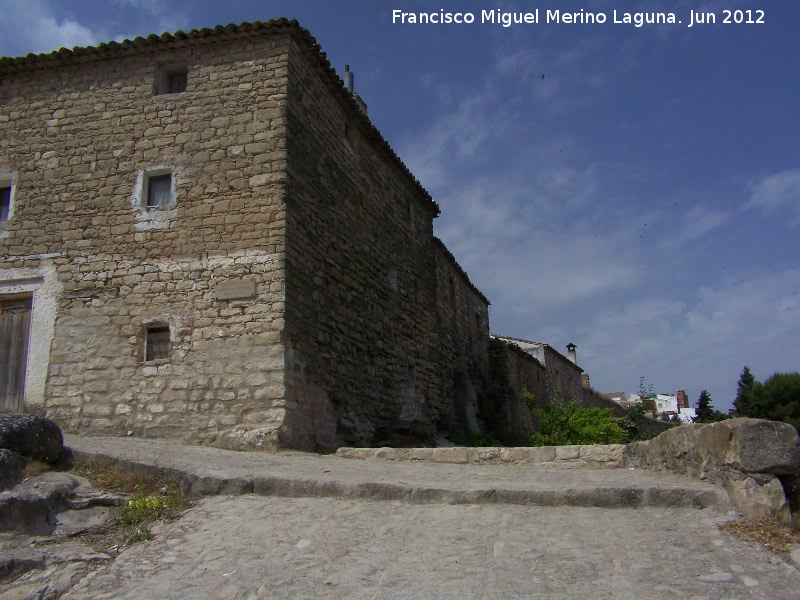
{"points": [[600, 497], [582, 457]]}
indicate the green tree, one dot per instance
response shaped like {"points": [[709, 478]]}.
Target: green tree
{"points": [[705, 411], [566, 423], [777, 399], [743, 404], [636, 413]]}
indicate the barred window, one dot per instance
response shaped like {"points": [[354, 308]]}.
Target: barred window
{"points": [[170, 79], [156, 342]]}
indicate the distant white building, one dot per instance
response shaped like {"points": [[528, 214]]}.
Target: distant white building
{"points": [[666, 405], [619, 398], [660, 405]]}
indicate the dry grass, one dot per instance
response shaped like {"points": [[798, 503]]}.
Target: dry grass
{"points": [[113, 476], [34, 468], [770, 534]]}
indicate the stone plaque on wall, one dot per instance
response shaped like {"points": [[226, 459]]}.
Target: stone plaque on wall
{"points": [[236, 289]]}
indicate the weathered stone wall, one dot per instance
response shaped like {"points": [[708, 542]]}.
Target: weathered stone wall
{"points": [[359, 326], [360, 275], [463, 346], [77, 139], [590, 397], [563, 377], [514, 370]]}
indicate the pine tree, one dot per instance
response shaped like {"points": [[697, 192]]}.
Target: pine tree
{"points": [[705, 412], [743, 404]]}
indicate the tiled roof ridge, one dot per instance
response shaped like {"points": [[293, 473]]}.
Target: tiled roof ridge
{"points": [[461, 271], [508, 337], [85, 53], [80, 55]]}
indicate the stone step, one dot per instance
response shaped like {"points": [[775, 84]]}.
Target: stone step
{"points": [[212, 471]]}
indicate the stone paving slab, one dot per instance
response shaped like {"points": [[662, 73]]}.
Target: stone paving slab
{"points": [[252, 547], [323, 545], [212, 471]]}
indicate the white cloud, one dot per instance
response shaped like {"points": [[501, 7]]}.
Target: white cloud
{"points": [[158, 16], [34, 26], [761, 309], [572, 242], [41, 26], [779, 191], [456, 135], [698, 221], [696, 341]]}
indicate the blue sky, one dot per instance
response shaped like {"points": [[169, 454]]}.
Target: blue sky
{"points": [[635, 191]]}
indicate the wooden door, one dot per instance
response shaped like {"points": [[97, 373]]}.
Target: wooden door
{"points": [[15, 321]]}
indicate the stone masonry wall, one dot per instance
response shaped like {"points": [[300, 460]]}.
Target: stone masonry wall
{"points": [[514, 370], [360, 278], [463, 326], [352, 323], [563, 376], [78, 141], [549, 457]]}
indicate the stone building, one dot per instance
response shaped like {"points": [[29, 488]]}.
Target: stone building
{"points": [[562, 375], [203, 236], [518, 387]]}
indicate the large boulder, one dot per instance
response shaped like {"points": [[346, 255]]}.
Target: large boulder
{"points": [[11, 467], [751, 445], [716, 450], [31, 436], [757, 461]]}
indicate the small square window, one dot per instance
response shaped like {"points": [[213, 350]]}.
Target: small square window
{"points": [[170, 79], [5, 203], [159, 190], [156, 342]]}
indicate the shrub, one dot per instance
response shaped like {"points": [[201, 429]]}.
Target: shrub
{"points": [[144, 509], [154, 496], [567, 423]]}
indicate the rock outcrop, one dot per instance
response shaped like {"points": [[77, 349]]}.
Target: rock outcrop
{"points": [[27, 437], [756, 461], [40, 515]]}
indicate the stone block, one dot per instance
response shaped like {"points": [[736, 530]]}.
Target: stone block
{"points": [[568, 452], [751, 445], [421, 454], [543, 454], [601, 455], [759, 498]]}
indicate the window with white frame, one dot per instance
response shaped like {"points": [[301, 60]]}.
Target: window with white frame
{"points": [[158, 189]]}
